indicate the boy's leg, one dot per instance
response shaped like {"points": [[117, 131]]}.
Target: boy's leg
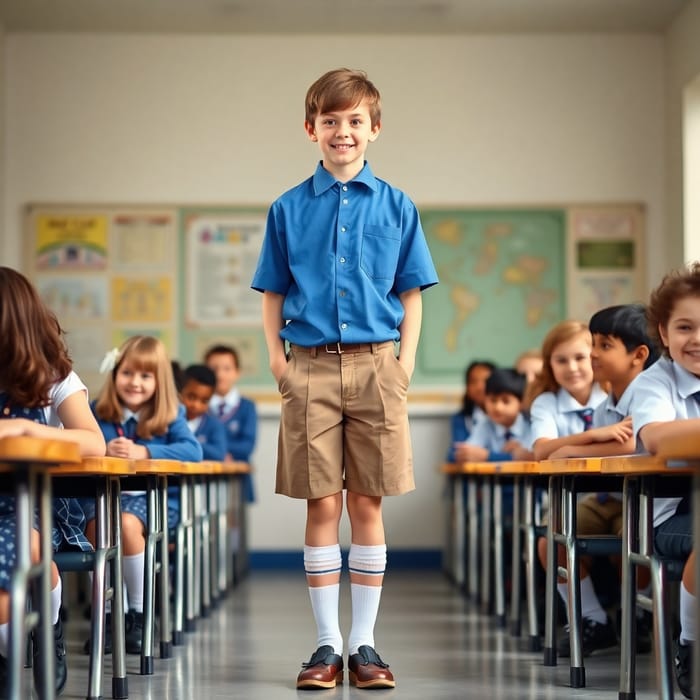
{"points": [[322, 563], [367, 563]]}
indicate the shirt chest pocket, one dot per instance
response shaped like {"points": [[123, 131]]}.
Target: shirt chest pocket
{"points": [[379, 255]]}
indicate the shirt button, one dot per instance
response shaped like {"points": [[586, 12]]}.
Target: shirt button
{"points": [[343, 325], [342, 260], [345, 188], [343, 229], [342, 292], [345, 201]]}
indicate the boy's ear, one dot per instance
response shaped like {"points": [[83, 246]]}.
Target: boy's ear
{"points": [[640, 355], [310, 131], [375, 132]]}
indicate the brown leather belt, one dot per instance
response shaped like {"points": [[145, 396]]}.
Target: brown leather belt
{"points": [[341, 348]]}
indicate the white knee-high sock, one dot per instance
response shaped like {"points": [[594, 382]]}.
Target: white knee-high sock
{"points": [[366, 560], [133, 580], [56, 594], [688, 607], [590, 605], [4, 637], [321, 561]]}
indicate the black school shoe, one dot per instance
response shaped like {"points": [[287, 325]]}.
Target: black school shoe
{"points": [[682, 663], [3, 678], [596, 636], [134, 632], [60, 665]]}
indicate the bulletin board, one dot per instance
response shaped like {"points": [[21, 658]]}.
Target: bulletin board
{"points": [[182, 273]]}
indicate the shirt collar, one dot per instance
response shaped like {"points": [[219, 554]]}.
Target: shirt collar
{"points": [[566, 403], [518, 429], [687, 383], [128, 413], [230, 400], [323, 180], [622, 407]]}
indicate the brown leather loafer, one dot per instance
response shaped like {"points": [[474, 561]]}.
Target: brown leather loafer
{"points": [[323, 670], [367, 670]]}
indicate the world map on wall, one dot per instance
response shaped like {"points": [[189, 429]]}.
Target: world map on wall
{"points": [[501, 285]]}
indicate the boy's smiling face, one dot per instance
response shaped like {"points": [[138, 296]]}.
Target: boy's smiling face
{"points": [[343, 136], [682, 334]]}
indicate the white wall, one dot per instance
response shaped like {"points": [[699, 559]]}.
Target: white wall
{"points": [[691, 170], [471, 120], [682, 68]]}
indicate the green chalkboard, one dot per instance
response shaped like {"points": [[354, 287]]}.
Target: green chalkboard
{"points": [[502, 281]]}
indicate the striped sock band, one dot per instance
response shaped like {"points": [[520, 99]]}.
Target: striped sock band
{"points": [[369, 560], [319, 561]]}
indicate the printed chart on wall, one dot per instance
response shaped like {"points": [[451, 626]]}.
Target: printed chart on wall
{"points": [[221, 249], [107, 273], [501, 286], [605, 257]]}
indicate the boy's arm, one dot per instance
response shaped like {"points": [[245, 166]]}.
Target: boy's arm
{"points": [[651, 433], [409, 329], [585, 442], [612, 448], [273, 323]]}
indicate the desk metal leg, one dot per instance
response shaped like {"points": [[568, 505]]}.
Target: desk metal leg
{"points": [[205, 549], [180, 554], [223, 540], [486, 524], [516, 560], [166, 647], [628, 590], [577, 671], [149, 577], [473, 572], [550, 604], [534, 643], [45, 632], [499, 573], [192, 561], [119, 681]]}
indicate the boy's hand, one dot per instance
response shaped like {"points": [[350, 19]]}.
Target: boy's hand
{"points": [[517, 451], [465, 452], [277, 366], [408, 365], [619, 432]]}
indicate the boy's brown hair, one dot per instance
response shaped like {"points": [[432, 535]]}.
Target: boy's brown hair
{"points": [[677, 284], [342, 88]]}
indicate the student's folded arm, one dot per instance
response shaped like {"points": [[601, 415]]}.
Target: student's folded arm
{"points": [[544, 447], [612, 448], [651, 433]]}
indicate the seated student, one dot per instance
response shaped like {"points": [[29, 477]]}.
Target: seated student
{"points": [[504, 433], [666, 405], [198, 385], [140, 417], [237, 413], [40, 396], [621, 351], [462, 423], [529, 363]]}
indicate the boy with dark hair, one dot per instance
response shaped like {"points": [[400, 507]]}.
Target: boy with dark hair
{"points": [[198, 385], [621, 350], [235, 412], [504, 433], [342, 267]]}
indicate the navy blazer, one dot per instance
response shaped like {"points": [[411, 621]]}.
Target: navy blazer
{"points": [[211, 435], [177, 442]]}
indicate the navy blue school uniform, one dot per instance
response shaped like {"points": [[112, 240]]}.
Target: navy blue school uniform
{"points": [[177, 443], [461, 427], [211, 435], [68, 518], [240, 420]]}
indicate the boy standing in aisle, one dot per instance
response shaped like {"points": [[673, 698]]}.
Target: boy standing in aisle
{"points": [[342, 268]]}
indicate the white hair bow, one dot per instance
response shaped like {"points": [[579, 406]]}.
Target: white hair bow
{"points": [[109, 361]]}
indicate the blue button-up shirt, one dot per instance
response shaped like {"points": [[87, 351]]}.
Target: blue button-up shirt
{"points": [[341, 254]]}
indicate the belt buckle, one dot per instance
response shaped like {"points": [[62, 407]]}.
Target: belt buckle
{"points": [[338, 350]]}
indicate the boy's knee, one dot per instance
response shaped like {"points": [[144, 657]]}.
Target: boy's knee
{"points": [[323, 510], [132, 533]]}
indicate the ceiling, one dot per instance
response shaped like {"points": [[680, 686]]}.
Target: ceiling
{"points": [[339, 17]]}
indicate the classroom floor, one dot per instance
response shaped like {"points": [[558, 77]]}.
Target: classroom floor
{"points": [[438, 645]]}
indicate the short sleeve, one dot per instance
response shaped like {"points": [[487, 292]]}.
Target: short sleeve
{"points": [[543, 423]]}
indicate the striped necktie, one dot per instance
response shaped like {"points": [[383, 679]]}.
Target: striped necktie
{"points": [[587, 418]]}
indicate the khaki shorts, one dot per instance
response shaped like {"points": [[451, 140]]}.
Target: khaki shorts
{"points": [[596, 518], [344, 423]]}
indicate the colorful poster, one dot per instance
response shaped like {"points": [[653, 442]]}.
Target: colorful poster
{"points": [[142, 299], [221, 255], [71, 242], [75, 297], [144, 240]]}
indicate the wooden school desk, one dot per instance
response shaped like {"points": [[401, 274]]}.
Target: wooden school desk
{"points": [[24, 463], [100, 478]]}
